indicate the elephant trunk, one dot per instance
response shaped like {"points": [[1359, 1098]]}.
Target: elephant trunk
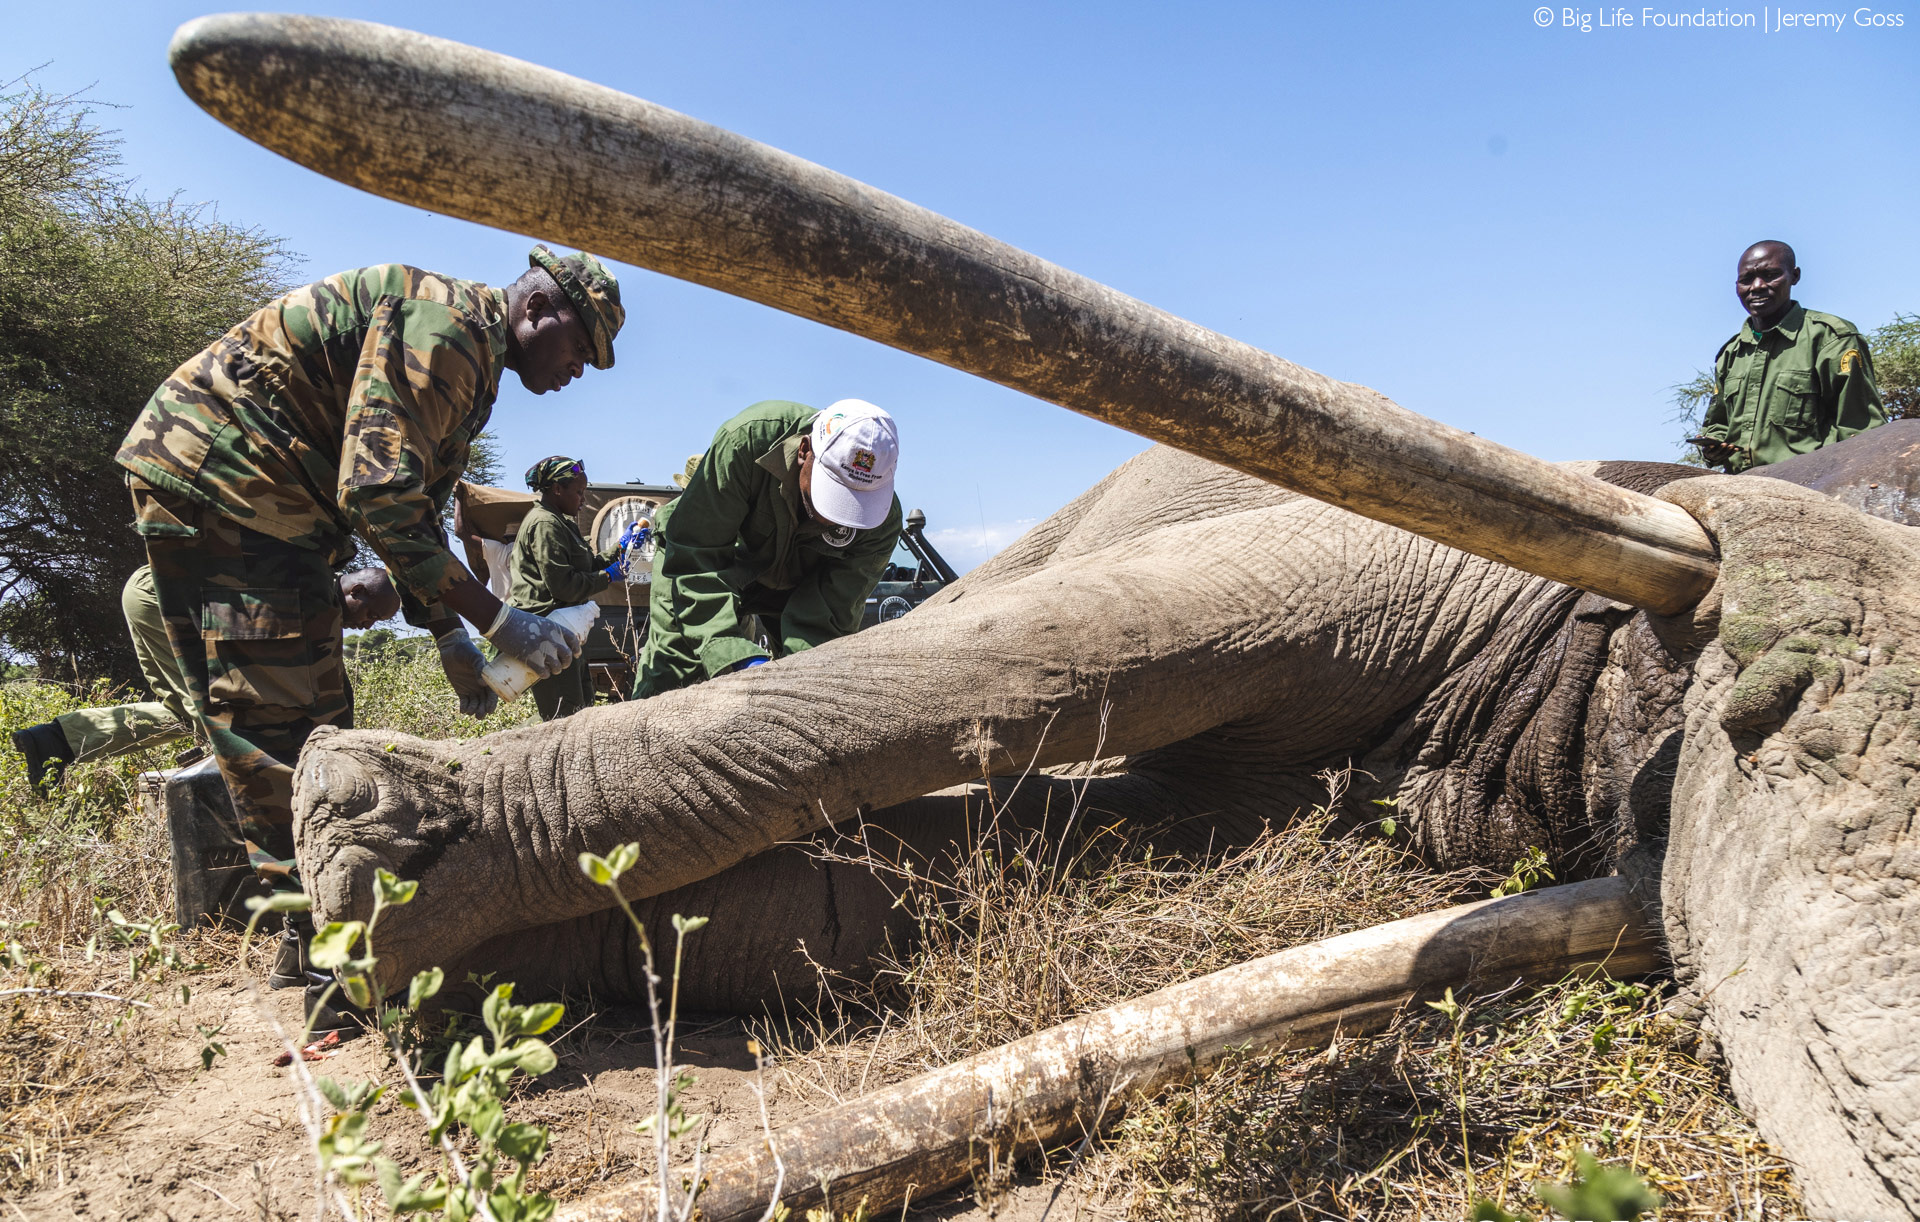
{"points": [[477, 135], [930, 1132]]}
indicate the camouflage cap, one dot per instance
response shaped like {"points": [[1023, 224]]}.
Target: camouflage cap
{"points": [[592, 291]]}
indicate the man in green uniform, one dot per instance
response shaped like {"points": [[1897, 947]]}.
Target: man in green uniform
{"points": [[1792, 380], [789, 516], [553, 568], [345, 407], [367, 596]]}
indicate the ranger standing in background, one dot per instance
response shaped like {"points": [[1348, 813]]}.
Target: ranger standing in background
{"points": [[1792, 380], [346, 407], [790, 517], [553, 568]]}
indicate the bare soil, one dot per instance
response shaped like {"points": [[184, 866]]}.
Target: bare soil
{"points": [[186, 1143], [189, 1142]]}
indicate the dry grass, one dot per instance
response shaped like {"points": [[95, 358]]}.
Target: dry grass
{"points": [[1012, 944], [84, 848], [1428, 1118], [1418, 1122], [401, 688], [67, 1064], [70, 1067]]}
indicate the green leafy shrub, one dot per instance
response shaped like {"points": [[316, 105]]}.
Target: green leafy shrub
{"points": [[103, 292]]}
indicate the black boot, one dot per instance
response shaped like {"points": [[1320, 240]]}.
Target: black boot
{"points": [[46, 750], [290, 963], [336, 1013]]}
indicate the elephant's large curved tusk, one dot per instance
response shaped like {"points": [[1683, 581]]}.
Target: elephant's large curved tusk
{"points": [[503, 142], [929, 1132]]}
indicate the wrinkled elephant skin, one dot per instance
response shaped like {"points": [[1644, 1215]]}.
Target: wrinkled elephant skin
{"points": [[1239, 639], [1792, 881]]}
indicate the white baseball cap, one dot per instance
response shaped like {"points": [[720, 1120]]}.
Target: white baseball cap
{"points": [[855, 449]]}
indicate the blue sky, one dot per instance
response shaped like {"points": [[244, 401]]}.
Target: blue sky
{"points": [[1524, 231]]}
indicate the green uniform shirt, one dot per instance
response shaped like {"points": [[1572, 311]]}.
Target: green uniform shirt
{"points": [[343, 407], [736, 544], [1804, 383], [552, 565]]}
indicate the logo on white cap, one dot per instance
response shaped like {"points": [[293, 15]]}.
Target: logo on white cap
{"points": [[855, 449]]}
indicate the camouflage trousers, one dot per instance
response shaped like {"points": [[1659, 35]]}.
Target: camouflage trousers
{"points": [[255, 626]]}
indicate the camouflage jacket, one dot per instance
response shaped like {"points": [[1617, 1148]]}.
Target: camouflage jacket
{"points": [[343, 407]]}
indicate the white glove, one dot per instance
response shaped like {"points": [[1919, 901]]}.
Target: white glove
{"points": [[544, 647], [462, 660]]}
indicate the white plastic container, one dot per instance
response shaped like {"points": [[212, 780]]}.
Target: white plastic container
{"points": [[640, 559], [510, 677]]}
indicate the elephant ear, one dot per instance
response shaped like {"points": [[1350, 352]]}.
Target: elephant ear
{"points": [[1647, 477], [1785, 634], [1789, 882], [1876, 472]]}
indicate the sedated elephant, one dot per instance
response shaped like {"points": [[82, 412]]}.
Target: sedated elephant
{"points": [[1221, 638], [1217, 642]]}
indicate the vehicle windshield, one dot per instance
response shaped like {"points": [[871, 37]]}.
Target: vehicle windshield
{"points": [[904, 566]]}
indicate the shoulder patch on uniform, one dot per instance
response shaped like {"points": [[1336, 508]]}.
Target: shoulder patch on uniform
{"points": [[1834, 323], [1848, 359]]}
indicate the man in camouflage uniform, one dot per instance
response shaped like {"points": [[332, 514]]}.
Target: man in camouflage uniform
{"points": [[367, 596], [345, 407], [1792, 380]]}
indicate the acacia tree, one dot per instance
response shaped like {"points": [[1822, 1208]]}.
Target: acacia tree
{"points": [[103, 292], [483, 461], [1896, 365]]}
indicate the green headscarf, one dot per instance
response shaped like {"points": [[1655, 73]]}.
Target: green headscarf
{"points": [[555, 470]]}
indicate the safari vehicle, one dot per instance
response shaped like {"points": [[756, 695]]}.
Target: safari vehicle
{"points": [[916, 572], [486, 520]]}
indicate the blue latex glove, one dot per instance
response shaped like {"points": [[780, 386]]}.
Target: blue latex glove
{"points": [[749, 664], [635, 533]]}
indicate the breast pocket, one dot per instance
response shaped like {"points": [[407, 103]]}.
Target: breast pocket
{"points": [[257, 651], [1796, 400]]}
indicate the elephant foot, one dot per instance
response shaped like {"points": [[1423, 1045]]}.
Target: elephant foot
{"points": [[366, 801]]}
